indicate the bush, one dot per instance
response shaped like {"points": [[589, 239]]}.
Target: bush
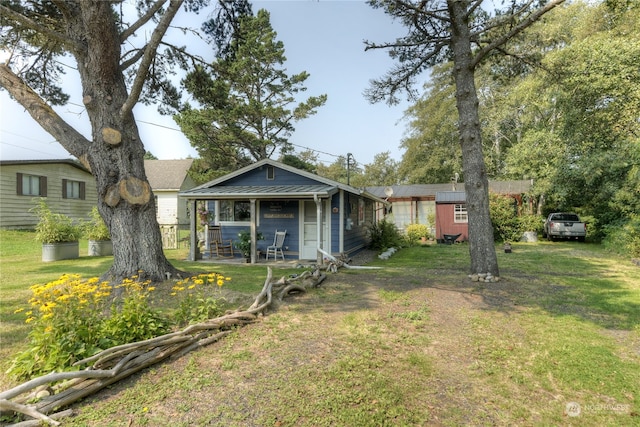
{"points": [[507, 225], [384, 235], [195, 305], [95, 228], [624, 237], [414, 232], [72, 319], [54, 227]]}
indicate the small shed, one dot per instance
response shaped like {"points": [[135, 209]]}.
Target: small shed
{"points": [[451, 215], [316, 212]]}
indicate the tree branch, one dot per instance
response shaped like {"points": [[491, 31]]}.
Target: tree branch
{"points": [[42, 113], [5, 12], [128, 32], [149, 54], [533, 17]]}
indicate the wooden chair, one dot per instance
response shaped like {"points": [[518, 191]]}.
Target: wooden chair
{"points": [[278, 241], [223, 248]]}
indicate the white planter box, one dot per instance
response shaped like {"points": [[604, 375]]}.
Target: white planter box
{"points": [[59, 251], [100, 247]]}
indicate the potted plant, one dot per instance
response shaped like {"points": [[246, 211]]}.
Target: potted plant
{"points": [[97, 233], [57, 233], [243, 244]]}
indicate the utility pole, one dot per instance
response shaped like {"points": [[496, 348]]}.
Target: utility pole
{"points": [[349, 156]]}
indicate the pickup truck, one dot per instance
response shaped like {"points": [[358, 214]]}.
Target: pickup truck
{"points": [[563, 225]]}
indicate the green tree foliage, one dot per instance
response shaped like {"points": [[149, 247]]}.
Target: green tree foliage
{"points": [[248, 102], [579, 132], [432, 154], [97, 41], [462, 32]]}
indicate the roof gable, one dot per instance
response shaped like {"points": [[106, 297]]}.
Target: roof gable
{"points": [[253, 181], [167, 174]]}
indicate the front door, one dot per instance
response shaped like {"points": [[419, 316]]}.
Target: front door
{"points": [[309, 232]]}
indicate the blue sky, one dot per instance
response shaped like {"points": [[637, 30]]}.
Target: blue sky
{"points": [[324, 38]]}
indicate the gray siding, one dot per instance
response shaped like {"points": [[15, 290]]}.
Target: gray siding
{"points": [[15, 209]]}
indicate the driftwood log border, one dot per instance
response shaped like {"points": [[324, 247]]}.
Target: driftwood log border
{"points": [[44, 395]]}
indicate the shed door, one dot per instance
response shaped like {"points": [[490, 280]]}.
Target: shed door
{"points": [[309, 232]]}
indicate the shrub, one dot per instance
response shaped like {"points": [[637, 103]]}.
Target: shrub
{"points": [[53, 227], [530, 222], [384, 235], [72, 319], [195, 305], [624, 237], [415, 232], [95, 228], [504, 218]]}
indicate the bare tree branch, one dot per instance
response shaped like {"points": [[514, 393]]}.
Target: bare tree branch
{"points": [[149, 54], [42, 113], [482, 53], [143, 20]]}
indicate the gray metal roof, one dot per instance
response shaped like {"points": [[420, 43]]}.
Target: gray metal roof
{"points": [[430, 190], [450, 196], [260, 191]]}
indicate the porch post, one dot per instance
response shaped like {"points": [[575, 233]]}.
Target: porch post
{"points": [[193, 232], [254, 243], [319, 228]]}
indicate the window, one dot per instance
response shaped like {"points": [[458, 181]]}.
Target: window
{"points": [[72, 189], [460, 213], [31, 185], [271, 173], [235, 210]]}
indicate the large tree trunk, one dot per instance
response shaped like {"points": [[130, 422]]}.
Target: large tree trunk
{"points": [[115, 153], [481, 241]]}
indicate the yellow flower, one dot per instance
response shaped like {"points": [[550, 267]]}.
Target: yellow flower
{"points": [[19, 310], [220, 282], [151, 288], [191, 286]]}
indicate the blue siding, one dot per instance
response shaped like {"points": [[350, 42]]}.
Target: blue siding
{"points": [[259, 177], [273, 215]]}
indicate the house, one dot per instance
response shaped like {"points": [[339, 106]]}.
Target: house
{"points": [[167, 178], [268, 195], [69, 187], [441, 206]]}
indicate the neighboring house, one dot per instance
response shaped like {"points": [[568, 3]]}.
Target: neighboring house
{"points": [[68, 186], [420, 204], [267, 196], [167, 178]]}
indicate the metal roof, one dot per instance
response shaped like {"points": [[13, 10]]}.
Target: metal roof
{"points": [[426, 190], [450, 196], [259, 191]]}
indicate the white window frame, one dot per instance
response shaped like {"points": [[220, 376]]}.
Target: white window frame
{"points": [[460, 214]]}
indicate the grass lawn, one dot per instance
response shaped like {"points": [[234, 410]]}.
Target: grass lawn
{"points": [[555, 342]]}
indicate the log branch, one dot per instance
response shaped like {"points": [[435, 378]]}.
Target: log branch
{"points": [[113, 364]]}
